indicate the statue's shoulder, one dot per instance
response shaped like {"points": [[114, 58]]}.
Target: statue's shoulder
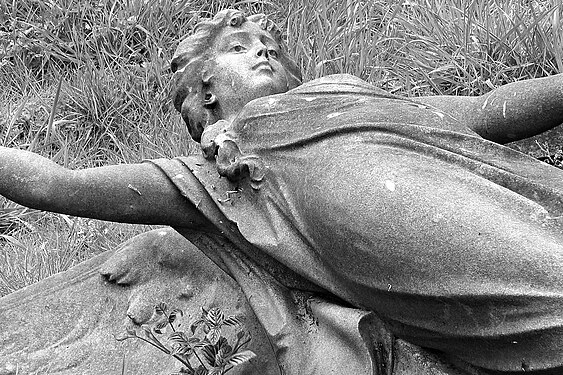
{"points": [[324, 92]]}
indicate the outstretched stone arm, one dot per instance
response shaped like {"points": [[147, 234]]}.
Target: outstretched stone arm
{"points": [[511, 112], [130, 193]]}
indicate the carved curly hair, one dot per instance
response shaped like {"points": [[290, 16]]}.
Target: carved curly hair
{"points": [[191, 66]]}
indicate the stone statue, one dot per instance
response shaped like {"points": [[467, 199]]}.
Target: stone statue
{"points": [[409, 210]]}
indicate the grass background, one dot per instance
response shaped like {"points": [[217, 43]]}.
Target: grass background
{"points": [[87, 83]]}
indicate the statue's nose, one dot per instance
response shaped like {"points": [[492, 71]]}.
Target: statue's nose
{"points": [[262, 52]]}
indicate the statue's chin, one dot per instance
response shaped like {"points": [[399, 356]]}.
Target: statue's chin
{"points": [[266, 83]]}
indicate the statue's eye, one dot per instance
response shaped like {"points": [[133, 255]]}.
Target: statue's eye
{"points": [[273, 53], [237, 48]]}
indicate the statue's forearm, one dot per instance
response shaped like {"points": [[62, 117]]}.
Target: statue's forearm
{"points": [[26, 177], [520, 109], [37, 182], [511, 112], [130, 193]]}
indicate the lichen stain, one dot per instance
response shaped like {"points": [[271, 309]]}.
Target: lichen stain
{"points": [[440, 115], [333, 115], [390, 185]]}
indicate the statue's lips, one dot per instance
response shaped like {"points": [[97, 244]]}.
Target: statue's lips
{"points": [[263, 65]]}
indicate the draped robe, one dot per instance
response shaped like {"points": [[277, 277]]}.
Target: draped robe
{"points": [[394, 207]]}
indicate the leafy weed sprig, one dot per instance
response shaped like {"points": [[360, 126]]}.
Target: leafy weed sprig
{"points": [[213, 353]]}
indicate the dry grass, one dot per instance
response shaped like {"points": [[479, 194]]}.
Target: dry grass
{"points": [[87, 83]]}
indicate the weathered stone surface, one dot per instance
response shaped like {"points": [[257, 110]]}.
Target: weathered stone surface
{"points": [[453, 240], [67, 324]]}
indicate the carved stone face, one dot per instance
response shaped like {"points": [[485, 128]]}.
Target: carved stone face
{"points": [[245, 67]]}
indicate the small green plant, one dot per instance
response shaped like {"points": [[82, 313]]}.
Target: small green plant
{"points": [[203, 350]]}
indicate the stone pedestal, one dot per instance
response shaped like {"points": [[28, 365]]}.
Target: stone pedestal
{"points": [[67, 323]]}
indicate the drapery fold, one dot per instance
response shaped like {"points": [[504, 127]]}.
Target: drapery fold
{"points": [[397, 208]]}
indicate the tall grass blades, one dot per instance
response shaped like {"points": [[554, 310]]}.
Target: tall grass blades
{"points": [[87, 83], [42, 244], [428, 46]]}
